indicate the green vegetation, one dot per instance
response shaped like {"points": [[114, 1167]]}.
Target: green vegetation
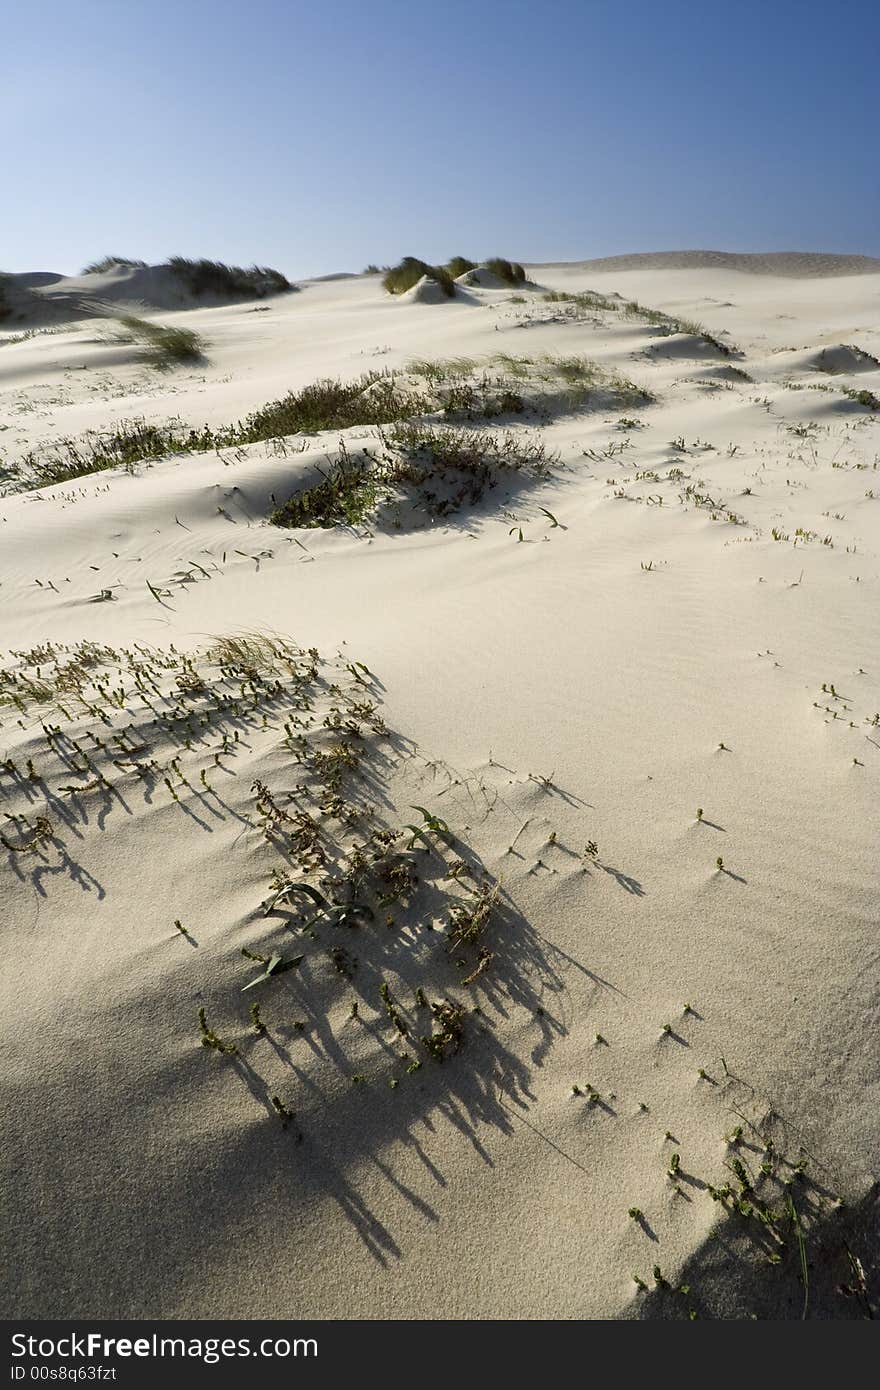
{"points": [[344, 497], [438, 469], [161, 715], [545, 388], [632, 309], [165, 346], [458, 265], [410, 270], [585, 301], [863, 397], [215, 277], [5, 304], [110, 263], [588, 301], [372, 399], [443, 371], [509, 271], [131, 442], [209, 1038]]}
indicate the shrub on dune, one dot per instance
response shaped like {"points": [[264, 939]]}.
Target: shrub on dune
{"points": [[215, 277], [458, 265], [373, 399], [110, 263], [409, 272], [863, 397], [511, 272], [440, 470]]}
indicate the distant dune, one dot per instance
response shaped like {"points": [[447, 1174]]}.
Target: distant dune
{"points": [[788, 263]]}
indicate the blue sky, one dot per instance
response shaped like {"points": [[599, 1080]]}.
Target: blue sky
{"points": [[320, 136]]}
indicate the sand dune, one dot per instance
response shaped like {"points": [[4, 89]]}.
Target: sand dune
{"points": [[787, 263], [40, 298], [635, 687]]}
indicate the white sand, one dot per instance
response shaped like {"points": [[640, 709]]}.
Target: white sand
{"points": [[612, 654]]}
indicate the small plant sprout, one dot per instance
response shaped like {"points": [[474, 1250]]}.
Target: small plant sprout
{"points": [[180, 927], [389, 1005], [666, 1030], [431, 824], [258, 1024], [699, 813], [703, 1074], [640, 1284], [353, 1011], [273, 965], [210, 1039], [688, 1009], [636, 1214], [281, 1110], [723, 748], [719, 864], [674, 1165], [600, 1041], [659, 1279]]}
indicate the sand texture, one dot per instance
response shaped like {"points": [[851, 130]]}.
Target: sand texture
{"points": [[625, 695]]}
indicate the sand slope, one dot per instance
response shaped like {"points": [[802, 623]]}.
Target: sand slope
{"points": [[697, 631]]}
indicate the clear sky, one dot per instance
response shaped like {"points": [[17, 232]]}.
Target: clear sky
{"points": [[320, 136]]}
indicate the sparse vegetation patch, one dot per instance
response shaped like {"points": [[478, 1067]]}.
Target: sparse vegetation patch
{"points": [[435, 470], [863, 397], [165, 345]]}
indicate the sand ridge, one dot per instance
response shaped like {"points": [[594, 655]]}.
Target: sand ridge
{"points": [[810, 264]]}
